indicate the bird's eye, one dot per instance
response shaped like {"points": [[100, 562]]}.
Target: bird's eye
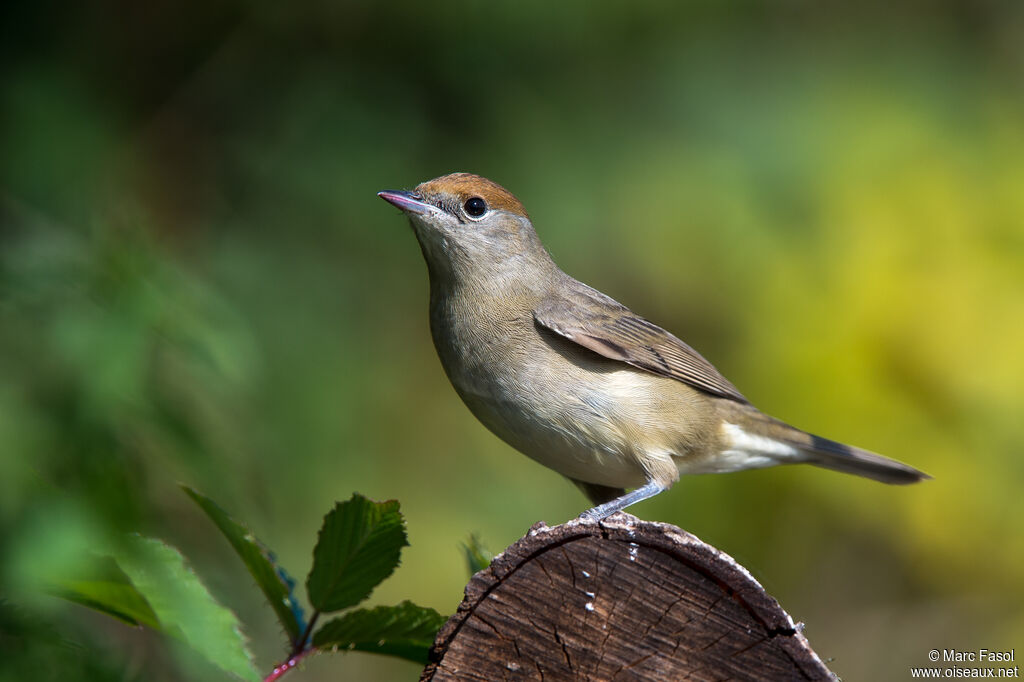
{"points": [[475, 207]]}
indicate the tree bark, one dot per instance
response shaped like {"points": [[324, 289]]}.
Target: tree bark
{"points": [[622, 599]]}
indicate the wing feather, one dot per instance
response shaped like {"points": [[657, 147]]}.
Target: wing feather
{"points": [[605, 326]]}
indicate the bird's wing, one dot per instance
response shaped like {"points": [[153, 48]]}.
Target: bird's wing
{"points": [[605, 326]]}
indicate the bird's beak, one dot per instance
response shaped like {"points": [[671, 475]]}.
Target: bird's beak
{"points": [[410, 202]]}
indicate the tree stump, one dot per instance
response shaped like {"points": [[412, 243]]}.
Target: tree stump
{"points": [[620, 599]]}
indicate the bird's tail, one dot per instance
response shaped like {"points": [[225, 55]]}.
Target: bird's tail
{"points": [[829, 454], [799, 446]]}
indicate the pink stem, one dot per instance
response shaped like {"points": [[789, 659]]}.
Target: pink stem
{"points": [[281, 669]]}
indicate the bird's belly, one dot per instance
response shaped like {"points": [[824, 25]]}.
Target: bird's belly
{"points": [[600, 428], [555, 435]]}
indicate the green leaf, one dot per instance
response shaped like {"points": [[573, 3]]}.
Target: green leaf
{"points": [[478, 557], [184, 606], [406, 631], [358, 547], [270, 578], [105, 587]]}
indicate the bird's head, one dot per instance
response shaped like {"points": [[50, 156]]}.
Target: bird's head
{"points": [[469, 226]]}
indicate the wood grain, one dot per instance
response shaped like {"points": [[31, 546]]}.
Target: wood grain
{"points": [[623, 599]]}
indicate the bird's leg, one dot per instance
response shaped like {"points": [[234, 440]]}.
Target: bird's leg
{"points": [[601, 511]]}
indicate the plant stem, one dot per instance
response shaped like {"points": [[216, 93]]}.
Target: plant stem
{"points": [[300, 646], [280, 670], [299, 652]]}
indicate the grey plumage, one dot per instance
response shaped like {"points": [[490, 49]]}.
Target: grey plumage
{"points": [[574, 379]]}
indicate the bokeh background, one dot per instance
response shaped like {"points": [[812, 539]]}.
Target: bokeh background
{"points": [[198, 285]]}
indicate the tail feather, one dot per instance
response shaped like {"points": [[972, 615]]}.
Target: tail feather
{"points": [[800, 446], [850, 460]]}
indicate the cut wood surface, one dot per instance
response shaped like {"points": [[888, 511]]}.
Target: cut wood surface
{"points": [[619, 599]]}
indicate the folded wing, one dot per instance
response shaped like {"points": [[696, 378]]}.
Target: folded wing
{"points": [[605, 326]]}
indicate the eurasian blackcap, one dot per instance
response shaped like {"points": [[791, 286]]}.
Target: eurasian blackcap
{"points": [[574, 379]]}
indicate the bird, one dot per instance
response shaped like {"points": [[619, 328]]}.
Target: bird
{"points": [[577, 381]]}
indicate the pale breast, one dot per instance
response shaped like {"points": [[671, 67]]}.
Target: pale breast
{"points": [[564, 406]]}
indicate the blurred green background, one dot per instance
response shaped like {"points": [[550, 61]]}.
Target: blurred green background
{"points": [[198, 285]]}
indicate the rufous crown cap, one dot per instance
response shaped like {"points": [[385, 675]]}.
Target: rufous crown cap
{"points": [[464, 186]]}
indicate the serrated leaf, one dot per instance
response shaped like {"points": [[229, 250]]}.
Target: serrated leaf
{"points": [[104, 587], [272, 580], [358, 547], [478, 557], [406, 631], [183, 605]]}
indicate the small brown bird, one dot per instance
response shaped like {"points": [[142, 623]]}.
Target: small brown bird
{"points": [[574, 379]]}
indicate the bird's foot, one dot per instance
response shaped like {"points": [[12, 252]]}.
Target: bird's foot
{"points": [[603, 511]]}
